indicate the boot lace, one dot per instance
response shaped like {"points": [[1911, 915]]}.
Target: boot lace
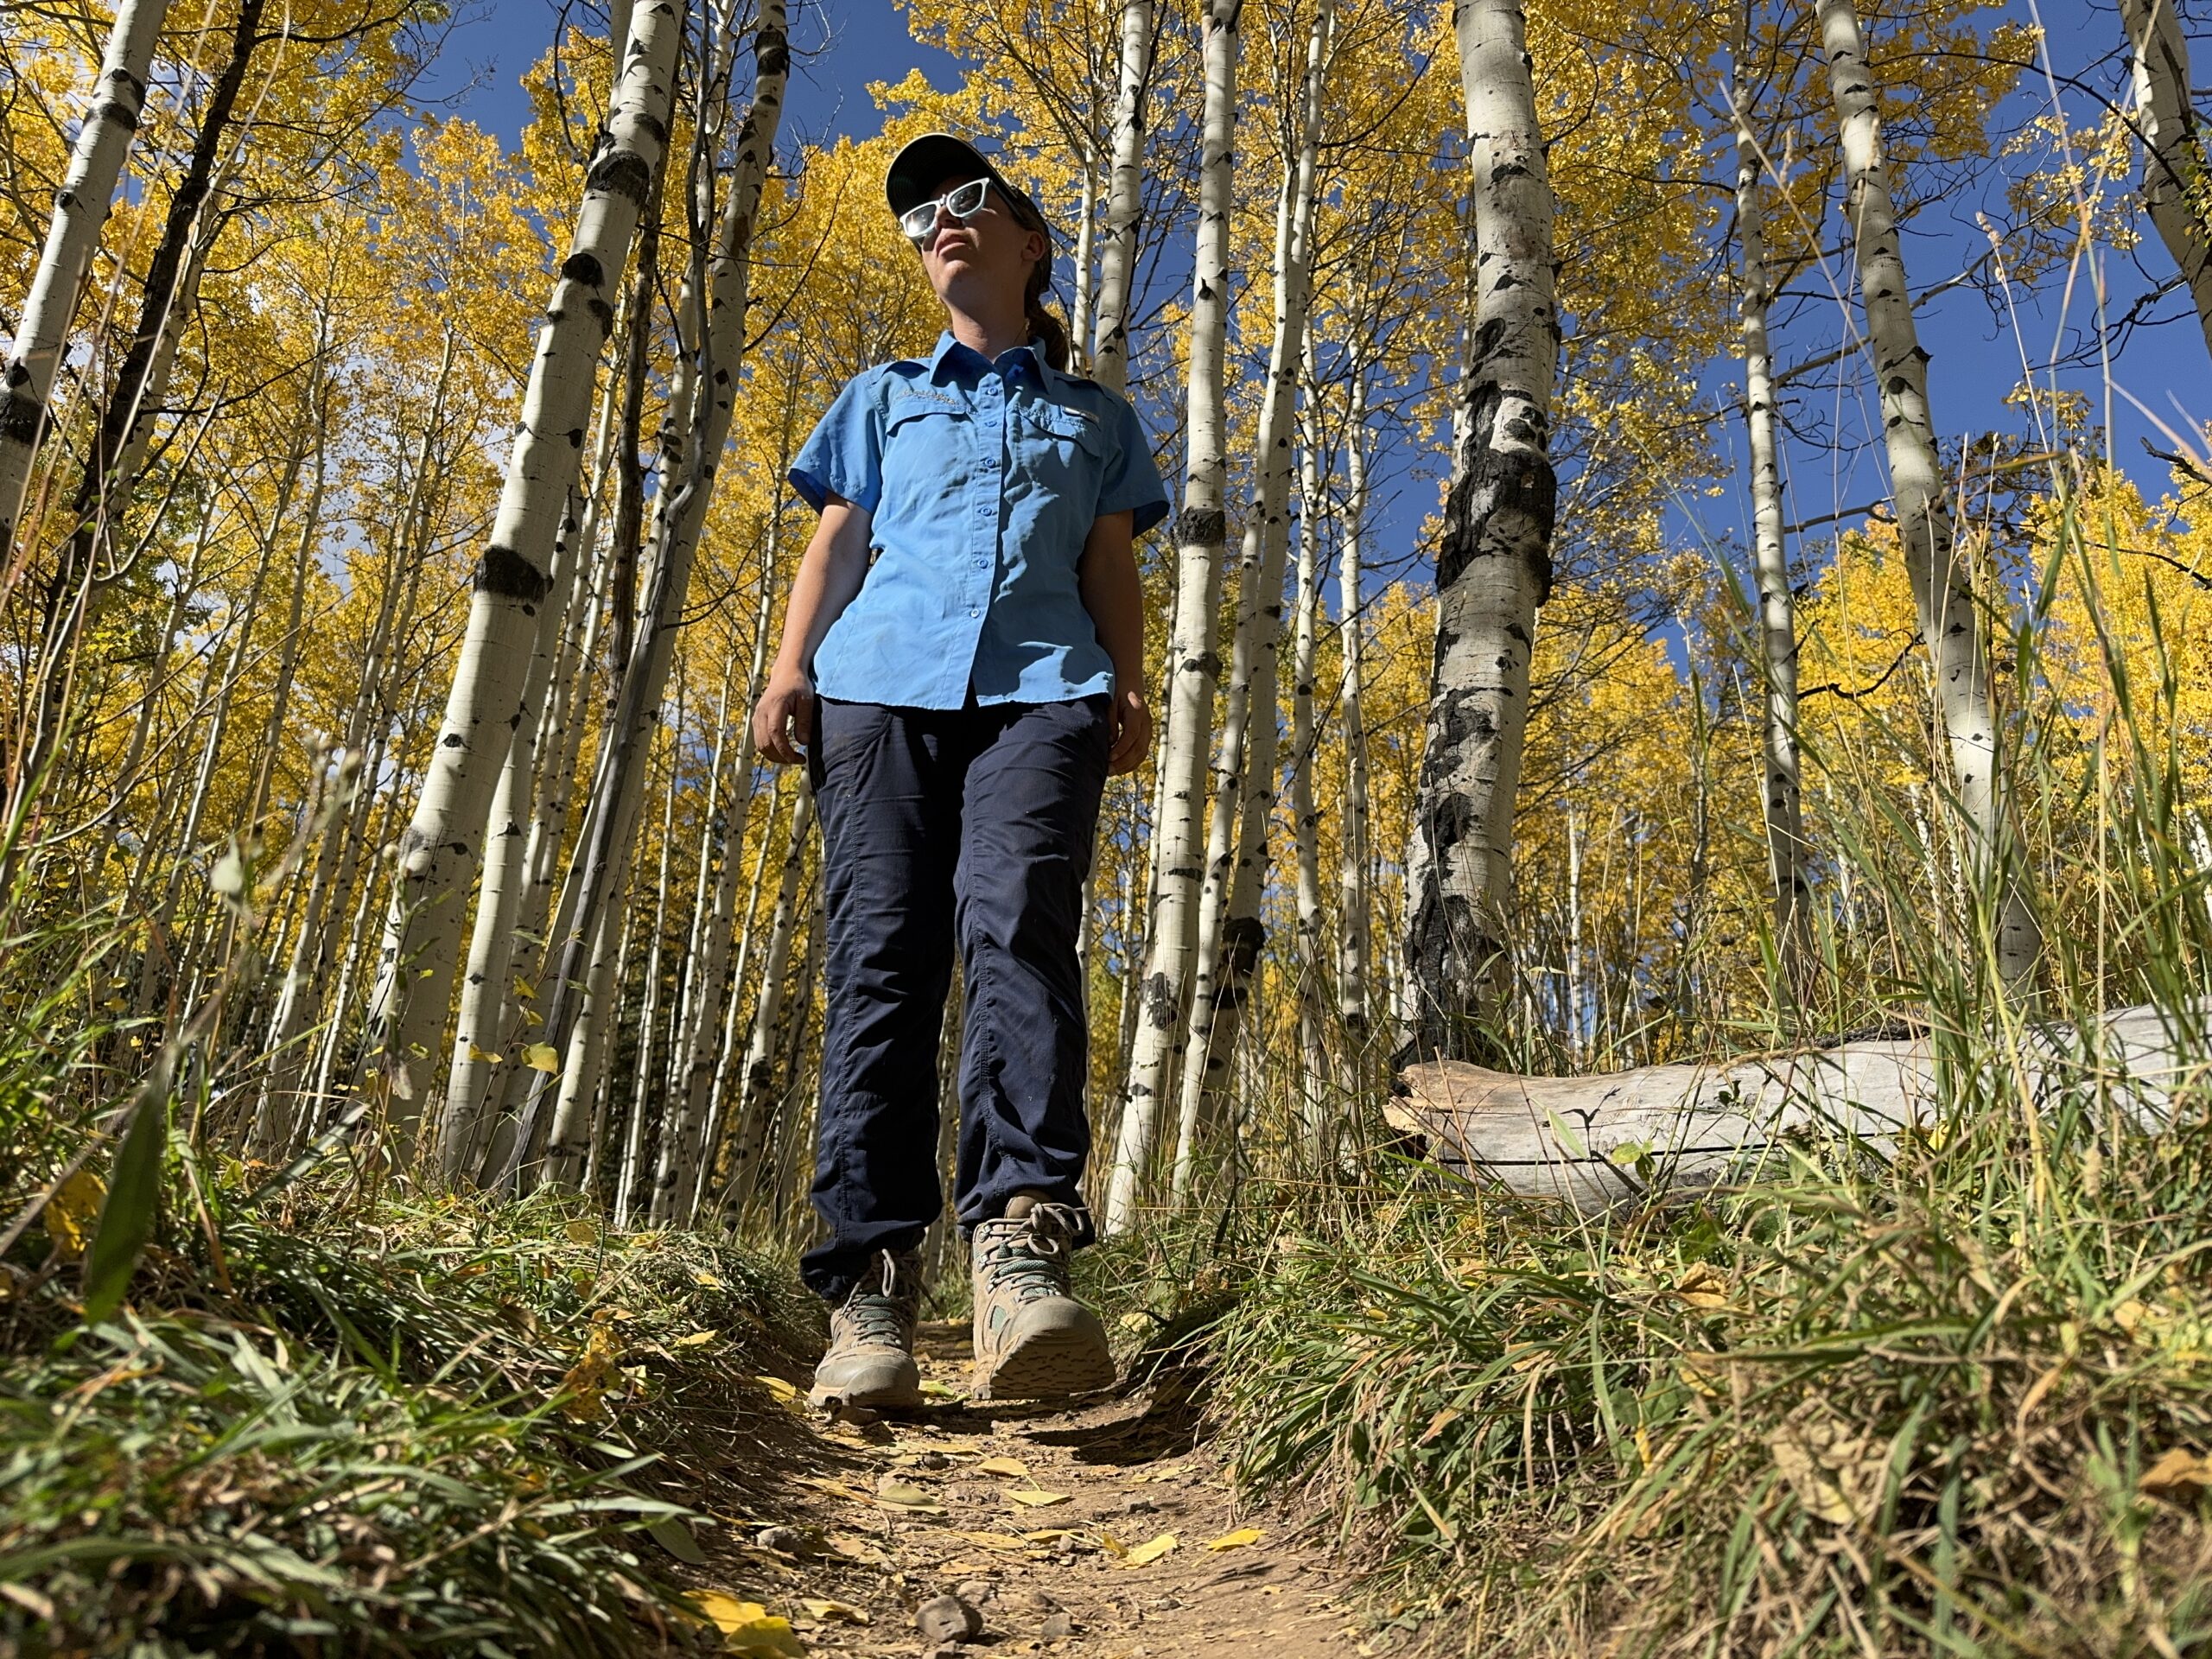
{"points": [[876, 1308], [1027, 1257]]}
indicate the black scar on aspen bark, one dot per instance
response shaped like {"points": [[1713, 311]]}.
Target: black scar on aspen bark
{"points": [[772, 52], [655, 126], [584, 268], [1159, 1001], [1241, 937], [19, 417], [621, 173], [505, 572], [1206, 526], [115, 110], [1501, 481], [452, 741]]}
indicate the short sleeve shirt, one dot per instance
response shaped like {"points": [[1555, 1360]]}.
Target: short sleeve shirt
{"points": [[983, 480]]}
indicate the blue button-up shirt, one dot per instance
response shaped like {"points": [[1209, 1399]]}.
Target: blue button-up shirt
{"points": [[983, 480]]}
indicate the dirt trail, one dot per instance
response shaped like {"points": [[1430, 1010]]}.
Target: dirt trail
{"points": [[887, 1514]]}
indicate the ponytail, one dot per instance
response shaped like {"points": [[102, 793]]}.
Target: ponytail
{"points": [[1043, 325]]}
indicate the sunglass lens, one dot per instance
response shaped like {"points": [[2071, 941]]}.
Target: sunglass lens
{"points": [[967, 199]]}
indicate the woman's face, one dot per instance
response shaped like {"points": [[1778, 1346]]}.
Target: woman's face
{"points": [[984, 258]]}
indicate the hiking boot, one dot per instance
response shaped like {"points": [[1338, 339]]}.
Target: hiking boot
{"points": [[1033, 1339], [871, 1358]]}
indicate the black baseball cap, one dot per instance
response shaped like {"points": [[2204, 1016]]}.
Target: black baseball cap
{"points": [[917, 170]]}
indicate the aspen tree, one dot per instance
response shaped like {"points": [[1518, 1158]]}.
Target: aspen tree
{"points": [[1354, 937], [1950, 620], [1493, 564], [1777, 623], [81, 208], [702, 398], [1109, 351], [439, 850], [2177, 188], [1231, 932], [756, 1082], [1201, 536], [642, 1093], [1305, 815]]}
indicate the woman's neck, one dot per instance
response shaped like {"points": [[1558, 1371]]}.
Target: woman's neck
{"points": [[993, 330]]}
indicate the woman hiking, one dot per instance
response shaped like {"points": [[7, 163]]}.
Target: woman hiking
{"points": [[962, 664]]}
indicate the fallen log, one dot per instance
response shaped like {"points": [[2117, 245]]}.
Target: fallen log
{"points": [[1604, 1140]]}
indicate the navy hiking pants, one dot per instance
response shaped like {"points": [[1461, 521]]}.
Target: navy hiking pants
{"points": [[941, 827]]}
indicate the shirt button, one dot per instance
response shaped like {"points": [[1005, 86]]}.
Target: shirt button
{"points": [[972, 611]]}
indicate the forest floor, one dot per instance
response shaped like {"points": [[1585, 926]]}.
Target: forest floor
{"points": [[1108, 1529]]}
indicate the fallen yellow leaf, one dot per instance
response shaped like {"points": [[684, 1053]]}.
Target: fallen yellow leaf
{"points": [[1030, 1496], [776, 1385], [71, 1212], [752, 1630], [697, 1340], [702, 1277], [900, 1495], [1013, 1466], [2178, 1474], [839, 1612], [585, 1386], [581, 1231], [1150, 1551], [1237, 1540]]}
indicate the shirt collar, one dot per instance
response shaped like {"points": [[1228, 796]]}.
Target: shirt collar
{"points": [[950, 350]]}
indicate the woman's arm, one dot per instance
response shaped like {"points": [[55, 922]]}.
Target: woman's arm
{"points": [[1106, 578], [831, 572]]}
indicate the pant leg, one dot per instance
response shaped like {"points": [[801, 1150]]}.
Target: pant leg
{"points": [[1029, 817], [886, 793]]}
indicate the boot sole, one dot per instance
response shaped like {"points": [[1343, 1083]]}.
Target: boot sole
{"points": [[901, 1396], [1047, 1366]]}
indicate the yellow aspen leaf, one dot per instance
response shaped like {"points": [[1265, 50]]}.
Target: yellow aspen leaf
{"points": [[584, 1388], [1013, 1466], [2179, 1474], [1033, 1498], [542, 1057], [1150, 1551], [1048, 1535], [776, 1385], [523, 989], [482, 1056], [750, 1629], [1112, 1545], [581, 1231], [697, 1340], [1702, 1288], [901, 1496], [1237, 1540], [708, 1281], [825, 1612], [531, 1017], [71, 1212]]}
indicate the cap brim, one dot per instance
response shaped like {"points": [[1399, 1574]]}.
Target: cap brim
{"points": [[917, 169]]}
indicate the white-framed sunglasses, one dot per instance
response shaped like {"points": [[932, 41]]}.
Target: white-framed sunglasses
{"points": [[962, 202]]}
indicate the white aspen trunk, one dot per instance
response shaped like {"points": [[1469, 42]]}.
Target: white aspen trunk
{"points": [[1201, 536], [1777, 623], [677, 1186], [598, 1103], [703, 396], [1086, 238], [1244, 771], [1109, 351], [1950, 620], [790, 1100], [1306, 818], [438, 852], [644, 1092], [726, 1055], [758, 1080], [2174, 181], [1623, 1137], [1354, 949], [81, 208], [1493, 565]]}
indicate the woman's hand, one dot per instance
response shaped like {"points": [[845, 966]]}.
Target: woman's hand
{"points": [[783, 721], [1132, 731]]}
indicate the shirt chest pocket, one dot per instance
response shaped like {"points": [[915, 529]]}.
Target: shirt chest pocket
{"points": [[1063, 450], [927, 451]]}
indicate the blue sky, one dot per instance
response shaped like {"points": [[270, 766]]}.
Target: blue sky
{"points": [[1977, 360]]}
